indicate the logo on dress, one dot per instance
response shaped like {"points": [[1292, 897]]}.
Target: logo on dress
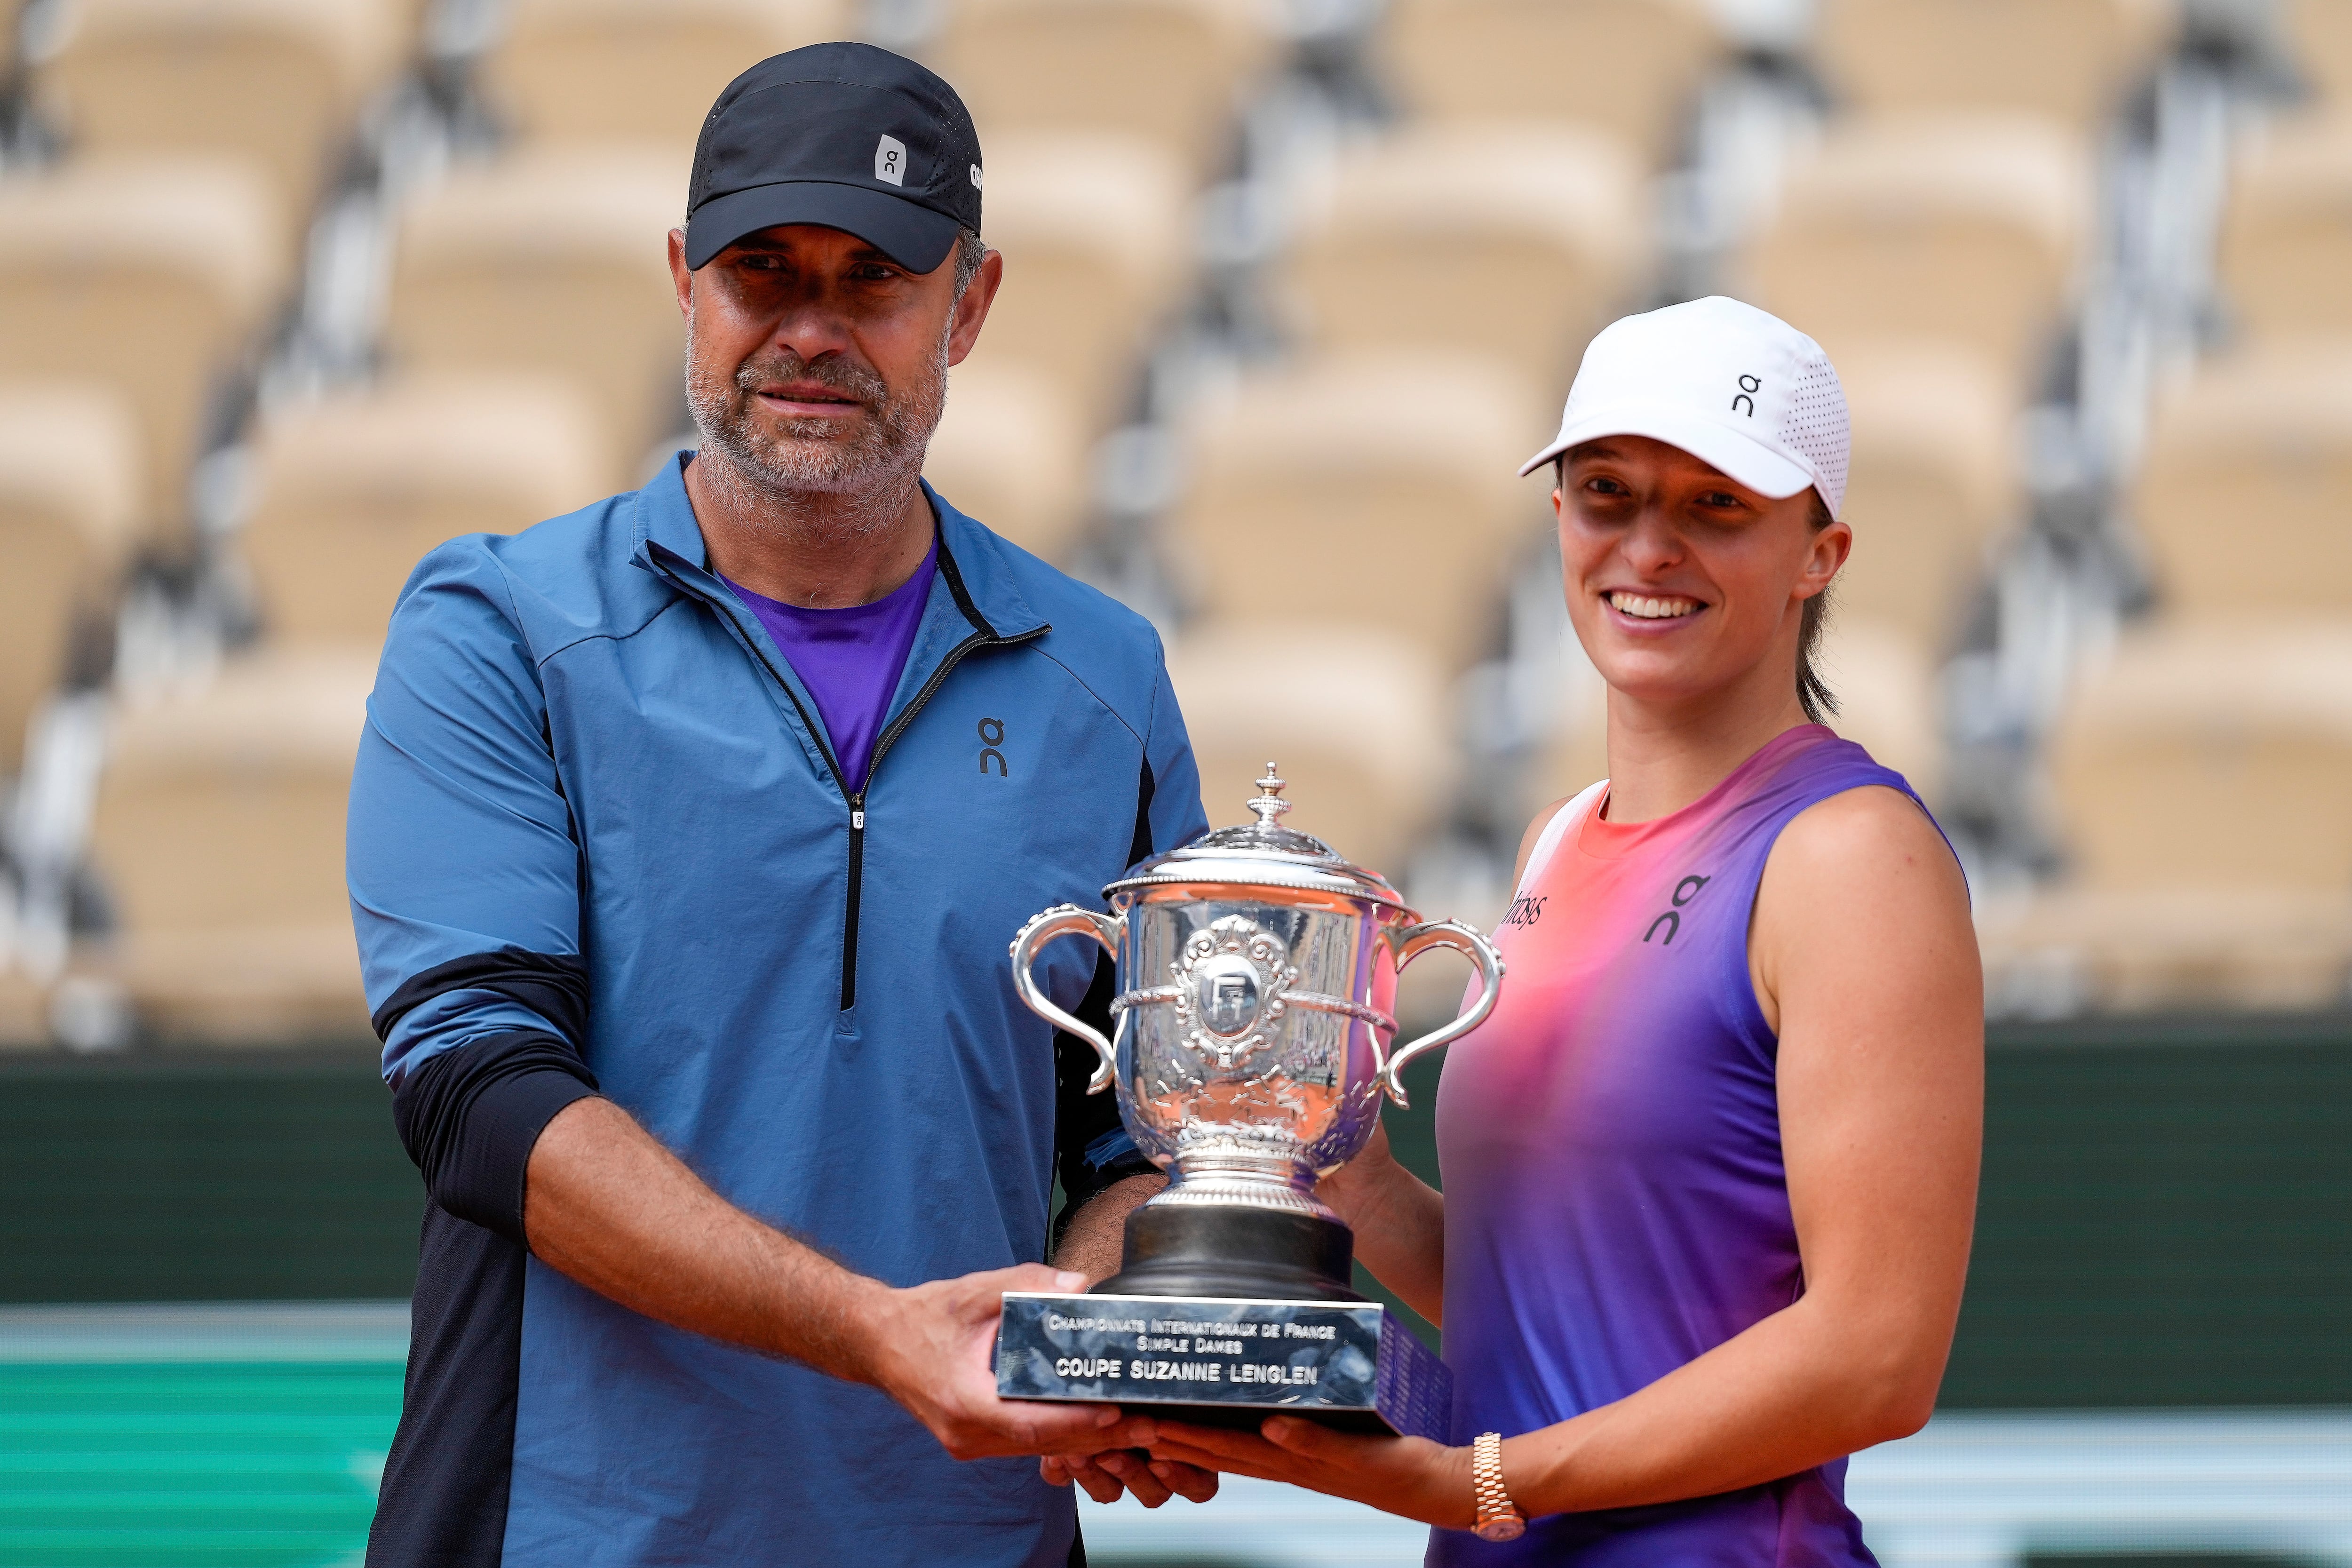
{"points": [[1685, 891], [1525, 910], [890, 161]]}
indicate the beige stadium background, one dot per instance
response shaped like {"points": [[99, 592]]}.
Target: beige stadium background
{"points": [[292, 290]]}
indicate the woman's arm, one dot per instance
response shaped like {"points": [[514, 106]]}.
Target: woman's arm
{"points": [[1866, 960], [1399, 1220], [1399, 1224]]}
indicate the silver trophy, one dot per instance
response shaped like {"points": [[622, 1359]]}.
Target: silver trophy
{"points": [[1257, 972]]}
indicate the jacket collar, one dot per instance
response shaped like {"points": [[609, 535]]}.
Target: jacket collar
{"points": [[974, 568]]}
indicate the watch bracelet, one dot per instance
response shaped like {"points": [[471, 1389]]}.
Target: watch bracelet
{"points": [[1493, 1500]]}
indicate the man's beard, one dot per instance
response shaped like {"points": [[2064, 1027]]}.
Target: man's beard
{"points": [[799, 456]]}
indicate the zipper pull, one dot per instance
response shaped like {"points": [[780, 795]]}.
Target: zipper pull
{"points": [[858, 818]]}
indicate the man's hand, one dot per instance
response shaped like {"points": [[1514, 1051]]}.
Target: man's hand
{"points": [[929, 1350], [1092, 1247]]}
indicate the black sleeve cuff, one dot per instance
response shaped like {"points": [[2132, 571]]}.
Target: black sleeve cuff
{"points": [[1092, 1151], [471, 1116]]}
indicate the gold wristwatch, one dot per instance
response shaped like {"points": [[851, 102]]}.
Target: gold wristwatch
{"points": [[1499, 1519]]}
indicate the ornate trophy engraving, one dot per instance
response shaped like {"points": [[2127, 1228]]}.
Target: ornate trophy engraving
{"points": [[1258, 973]]}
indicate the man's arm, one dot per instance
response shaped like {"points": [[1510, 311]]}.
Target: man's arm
{"points": [[1094, 1242], [609, 1207]]}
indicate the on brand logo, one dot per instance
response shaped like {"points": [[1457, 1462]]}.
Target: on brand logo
{"points": [[890, 161], [1685, 891], [975, 176], [1747, 383], [992, 735]]}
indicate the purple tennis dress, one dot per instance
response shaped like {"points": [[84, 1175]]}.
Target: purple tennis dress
{"points": [[1616, 1200]]}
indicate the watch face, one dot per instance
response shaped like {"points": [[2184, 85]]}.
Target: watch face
{"points": [[1511, 1527]]}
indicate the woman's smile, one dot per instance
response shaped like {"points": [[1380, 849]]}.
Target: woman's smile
{"points": [[1651, 610]]}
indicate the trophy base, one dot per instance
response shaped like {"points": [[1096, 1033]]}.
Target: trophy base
{"points": [[1225, 1362], [1225, 1315], [1228, 1250]]}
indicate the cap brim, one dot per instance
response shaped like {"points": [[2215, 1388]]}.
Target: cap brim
{"points": [[1739, 456], [910, 233]]}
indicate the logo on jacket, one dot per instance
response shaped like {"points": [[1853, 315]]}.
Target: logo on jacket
{"points": [[991, 736], [1685, 891]]}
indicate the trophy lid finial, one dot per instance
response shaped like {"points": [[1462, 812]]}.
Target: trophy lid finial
{"points": [[1268, 803]]}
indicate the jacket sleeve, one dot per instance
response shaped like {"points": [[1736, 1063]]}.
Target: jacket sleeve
{"points": [[1093, 1149], [464, 881]]}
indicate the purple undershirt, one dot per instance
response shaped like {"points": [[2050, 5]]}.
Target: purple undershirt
{"points": [[850, 660]]}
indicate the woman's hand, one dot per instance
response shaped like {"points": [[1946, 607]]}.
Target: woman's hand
{"points": [[1408, 1475], [1104, 1476]]}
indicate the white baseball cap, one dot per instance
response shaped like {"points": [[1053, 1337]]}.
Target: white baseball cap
{"points": [[1730, 385]]}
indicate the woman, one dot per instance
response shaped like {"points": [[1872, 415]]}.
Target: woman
{"points": [[1710, 1166]]}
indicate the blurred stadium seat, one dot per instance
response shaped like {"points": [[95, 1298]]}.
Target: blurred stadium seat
{"points": [[1010, 452], [2070, 58], [1885, 683], [1169, 72], [1932, 485], [353, 490], [274, 82], [641, 70], [1625, 66], [1959, 227], [148, 276], [2287, 248], [24, 1011], [1367, 759], [70, 467], [2213, 755], [2248, 482], [551, 262], [2168, 948], [220, 833], [1530, 251], [1364, 491], [2202, 777], [1092, 228], [2320, 33]]}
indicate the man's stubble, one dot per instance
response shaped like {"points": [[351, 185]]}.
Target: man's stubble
{"points": [[790, 463]]}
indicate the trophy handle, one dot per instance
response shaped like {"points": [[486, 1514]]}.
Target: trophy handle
{"points": [[1411, 943], [1068, 920]]}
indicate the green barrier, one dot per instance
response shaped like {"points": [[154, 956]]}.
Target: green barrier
{"points": [[222, 1176], [2167, 1211]]}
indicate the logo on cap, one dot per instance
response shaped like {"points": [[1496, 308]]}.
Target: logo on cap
{"points": [[975, 176], [890, 161]]}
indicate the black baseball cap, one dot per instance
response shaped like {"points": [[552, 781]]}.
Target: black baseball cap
{"points": [[845, 135]]}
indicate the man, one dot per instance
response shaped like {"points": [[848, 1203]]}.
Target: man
{"points": [[687, 835]]}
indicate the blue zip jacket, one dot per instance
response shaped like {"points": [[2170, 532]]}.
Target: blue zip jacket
{"points": [[598, 844]]}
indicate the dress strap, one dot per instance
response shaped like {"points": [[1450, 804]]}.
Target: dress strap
{"points": [[1563, 822]]}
